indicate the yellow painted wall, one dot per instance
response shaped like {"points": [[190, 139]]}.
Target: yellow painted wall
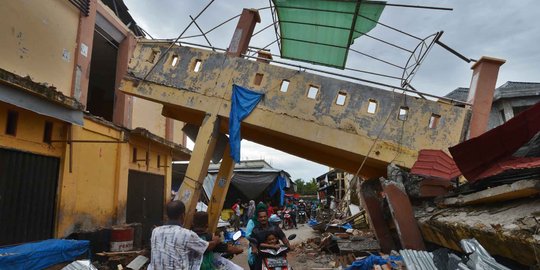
{"points": [[34, 46], [154, 150], [88, 193], [29, 135], [95, 193], [147, 115]]}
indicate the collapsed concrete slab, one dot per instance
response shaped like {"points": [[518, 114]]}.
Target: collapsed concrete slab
{"points": [[516, 190], [504, 229]]}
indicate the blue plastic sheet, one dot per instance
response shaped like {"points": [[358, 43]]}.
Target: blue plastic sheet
{"points": [[43, 254], [279, 185], [243, 101], [312, 222], [368, 262], [346, 226]]}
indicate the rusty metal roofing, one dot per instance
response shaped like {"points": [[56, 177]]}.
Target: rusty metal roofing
{"points": [[435, 164], [492, 152], [511, 165]]}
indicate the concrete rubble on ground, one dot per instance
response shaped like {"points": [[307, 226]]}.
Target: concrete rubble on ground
{"points": [[432, 218]]}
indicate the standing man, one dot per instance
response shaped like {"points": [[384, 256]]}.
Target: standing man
{"points": [[174, 247], [236, 215]]}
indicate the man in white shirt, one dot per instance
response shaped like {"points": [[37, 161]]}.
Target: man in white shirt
{"points": [[174, 247]]}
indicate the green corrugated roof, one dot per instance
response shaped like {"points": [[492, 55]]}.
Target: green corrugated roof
{"points": [[321, 31]]}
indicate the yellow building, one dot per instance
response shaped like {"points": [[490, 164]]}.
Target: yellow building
{"points": [[76, 154]]}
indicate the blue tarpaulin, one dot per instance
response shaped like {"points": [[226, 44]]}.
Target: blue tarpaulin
{"points": [[312, 222], [40, 255], [372, 260], [280, 186], [243, 101]]}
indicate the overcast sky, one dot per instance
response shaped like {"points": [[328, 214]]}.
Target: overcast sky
{"points": [[497, 28]]}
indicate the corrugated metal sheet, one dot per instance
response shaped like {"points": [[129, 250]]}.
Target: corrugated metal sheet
{"points": [[423, 260], [479, 257], [512, 164], [481, 154], [436, 164], [418, 260], [28, 184]]}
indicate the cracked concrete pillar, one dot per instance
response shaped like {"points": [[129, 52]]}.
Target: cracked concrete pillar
{"points": [[239, 45], [221, 186], [191, 187], [485, 73]]}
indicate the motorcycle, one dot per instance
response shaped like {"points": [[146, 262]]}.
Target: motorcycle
{"points": [[223, 260], [302, 217], [287, 220], [273, 259], [233, 241]]}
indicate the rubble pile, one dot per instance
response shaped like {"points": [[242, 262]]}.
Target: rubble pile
{"points": [[337, 249]]}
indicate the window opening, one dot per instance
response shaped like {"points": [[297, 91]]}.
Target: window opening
{"points": [[312, 92], [134, 157], [174, 60], [372, 106], [12, 120], [159, 161], [153, 56], [102, 80], [517, 110], [258, 78], [47, 132], [341, 97], [434, 121], [197, 66], [284, 86], [403, 113], [503, 117]]}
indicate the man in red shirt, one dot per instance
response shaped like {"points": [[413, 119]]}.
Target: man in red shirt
{"points": [[269, 209], [236, 215]]}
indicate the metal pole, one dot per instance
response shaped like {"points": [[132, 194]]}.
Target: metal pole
{"points": [[202, 32]]}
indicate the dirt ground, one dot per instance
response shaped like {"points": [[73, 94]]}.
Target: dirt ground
{"points": [[297, 259]]}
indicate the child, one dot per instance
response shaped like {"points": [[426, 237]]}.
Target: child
{"points": [[271, 241], [200, 227]]}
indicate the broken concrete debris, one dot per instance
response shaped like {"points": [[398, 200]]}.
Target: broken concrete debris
{"points": [[413, 212]]}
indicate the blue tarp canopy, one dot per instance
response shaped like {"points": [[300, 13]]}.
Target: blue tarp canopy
{"points": [[243, 101], [43, 254]]}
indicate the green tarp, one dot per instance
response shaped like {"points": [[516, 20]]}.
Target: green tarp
{"points": [[321, 31]]}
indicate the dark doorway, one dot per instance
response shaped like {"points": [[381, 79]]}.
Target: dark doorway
{"points": [[145, 201], [28, 184], [102, 75]]}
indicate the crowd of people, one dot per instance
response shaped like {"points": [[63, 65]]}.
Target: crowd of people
{"points": [[242, 212], [176, 247]]}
